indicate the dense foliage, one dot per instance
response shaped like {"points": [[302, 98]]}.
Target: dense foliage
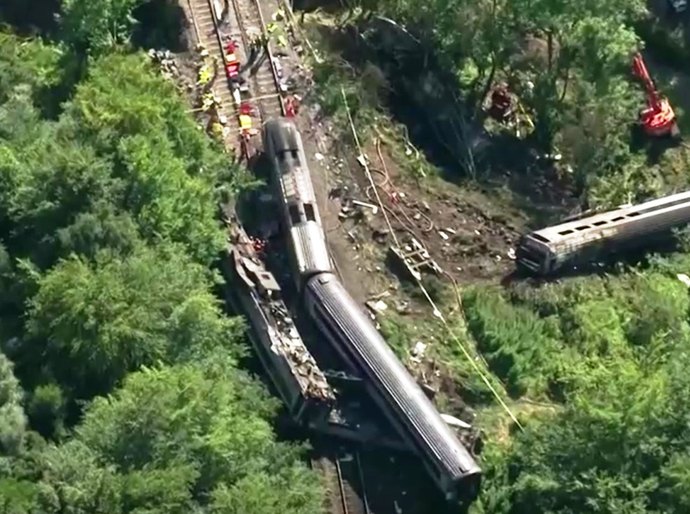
{"points": [[615, 360], [594, 367], [120, 389], [569, 63]]}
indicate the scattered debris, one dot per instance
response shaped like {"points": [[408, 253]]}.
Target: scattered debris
{"points": [[374, 208], [414, 258], [455, 422], [418, 351], [685, 279], [377, 307], [402, 307]]}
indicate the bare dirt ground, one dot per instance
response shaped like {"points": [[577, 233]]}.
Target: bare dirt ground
{"points": [[467, 232]]}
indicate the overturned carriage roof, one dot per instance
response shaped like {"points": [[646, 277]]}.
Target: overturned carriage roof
{"points": [[602, 223]]}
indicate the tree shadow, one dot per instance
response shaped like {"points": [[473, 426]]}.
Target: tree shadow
{"points": [[162, 24], [36, 17], [422, 95]]}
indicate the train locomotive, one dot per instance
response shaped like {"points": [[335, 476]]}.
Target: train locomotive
{"points": [[350, 332], [551, 249]]}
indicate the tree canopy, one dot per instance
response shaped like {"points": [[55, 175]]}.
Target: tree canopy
{"points": [[120, 388]]}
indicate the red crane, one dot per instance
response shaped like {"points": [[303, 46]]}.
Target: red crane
{"points": [[658, 118]]}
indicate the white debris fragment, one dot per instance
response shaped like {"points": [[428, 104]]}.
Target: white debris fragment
{"points": [[455, 422], [380, 306], [443, 235], [374, 208], [477, 232], [511, 254], [362, 160], [319, 156], [684, 279], [419, 349]]}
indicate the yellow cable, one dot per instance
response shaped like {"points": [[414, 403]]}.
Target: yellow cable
{"points": [[436, 310]]}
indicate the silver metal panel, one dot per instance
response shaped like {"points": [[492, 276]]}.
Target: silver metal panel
{"points": [[330, 303], [309, 247], [647, 209], [628, 225]]}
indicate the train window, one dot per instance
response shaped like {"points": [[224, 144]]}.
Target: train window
{"points": [[539, 237], [309, 212], [294, 213], [294, 154], [582, 227], [633, 214], [599, 223], [566, 232], [618, 218]]}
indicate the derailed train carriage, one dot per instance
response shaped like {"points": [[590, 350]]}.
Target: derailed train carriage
{"points": [[351, 333], [292, 369], [552, 249]]}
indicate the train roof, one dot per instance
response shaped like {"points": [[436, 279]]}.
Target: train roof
{"points": [[610, 219]]}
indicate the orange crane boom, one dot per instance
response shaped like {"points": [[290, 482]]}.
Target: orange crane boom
{"points": [[658, 118]]}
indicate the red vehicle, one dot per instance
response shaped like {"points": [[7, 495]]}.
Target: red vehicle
{"points": [[658, 118]]}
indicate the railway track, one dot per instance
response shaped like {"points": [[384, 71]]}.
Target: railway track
{"points": [[262, 73], [345, 483], [205, 19], [242, 21]]}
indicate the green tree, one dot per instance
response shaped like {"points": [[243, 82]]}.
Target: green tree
{"points": [[173, 439], [170, 168], [12, 417], [27, 62], [98, 321], [97, 25]]}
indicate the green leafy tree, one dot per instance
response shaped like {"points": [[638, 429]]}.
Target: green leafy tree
{"points": [[12, 417], [194, 434], [28, 62], [170, 167], [98, 321], [97, 25]]}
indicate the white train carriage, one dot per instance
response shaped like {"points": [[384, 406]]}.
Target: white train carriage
{"points": [[550, 249]]}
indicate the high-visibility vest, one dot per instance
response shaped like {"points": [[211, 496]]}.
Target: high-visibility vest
{"points": [[245, 122]]}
